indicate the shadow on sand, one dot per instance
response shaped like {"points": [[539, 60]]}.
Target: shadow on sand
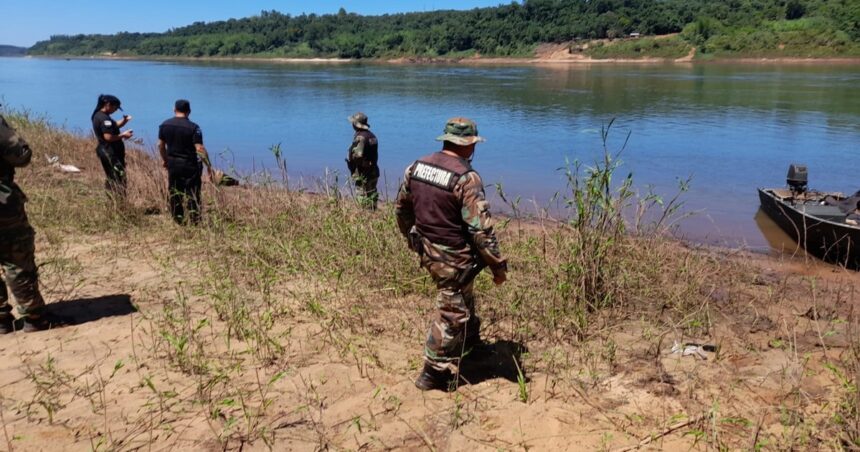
{"points": [[84, 310], [496, 360]]}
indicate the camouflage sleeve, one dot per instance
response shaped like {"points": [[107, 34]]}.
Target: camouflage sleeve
{"points": [[13, 149], [479, 224], [356, 151], [403, 207]]}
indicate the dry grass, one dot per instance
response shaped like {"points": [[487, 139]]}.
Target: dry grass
{"points": [[593, 303]]}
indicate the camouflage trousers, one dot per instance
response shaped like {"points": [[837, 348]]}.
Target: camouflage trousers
{"points": [[17, 257], [365, 186], [455, 322]]}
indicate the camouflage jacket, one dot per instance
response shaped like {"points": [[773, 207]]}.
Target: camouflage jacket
{"points": [[363, 151], [474, 219], [14, 153]]}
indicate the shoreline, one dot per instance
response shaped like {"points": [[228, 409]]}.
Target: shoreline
{"points": [[735, 243], [477, 61]]}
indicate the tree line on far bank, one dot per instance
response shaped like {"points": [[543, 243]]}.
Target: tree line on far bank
{"points": [[752, 27], [6, 50]]}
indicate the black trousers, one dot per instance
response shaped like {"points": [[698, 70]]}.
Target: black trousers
{"points": [[183, 185], [113, 163]]}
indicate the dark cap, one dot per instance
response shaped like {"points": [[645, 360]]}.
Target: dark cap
{"points": [[182, 106], [110, 99]]}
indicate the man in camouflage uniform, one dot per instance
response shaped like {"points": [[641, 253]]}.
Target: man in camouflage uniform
{"points": [[362, 161], [17, 240], [442, 210]]}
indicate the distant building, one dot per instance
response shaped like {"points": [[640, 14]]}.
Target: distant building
{"points": [[635, 34]]}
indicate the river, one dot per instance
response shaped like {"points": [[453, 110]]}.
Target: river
{"points": [[731, 127]]}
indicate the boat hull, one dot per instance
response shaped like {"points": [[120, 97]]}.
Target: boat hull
{"points": [[831, 241]]}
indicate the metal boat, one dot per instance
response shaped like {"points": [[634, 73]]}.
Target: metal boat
{"points": [[826, 225]]}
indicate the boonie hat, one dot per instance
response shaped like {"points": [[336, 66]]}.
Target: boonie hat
{"points": [[359, 121], [461, 131]]}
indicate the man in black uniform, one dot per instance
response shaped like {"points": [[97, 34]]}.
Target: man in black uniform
{"points": [[180, 143], [111, 148], [362, 161]]}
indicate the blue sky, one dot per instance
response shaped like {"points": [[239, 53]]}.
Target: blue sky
{"points": [[28, 21]]}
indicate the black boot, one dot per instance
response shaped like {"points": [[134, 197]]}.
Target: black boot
{"points": [[7, 325], [431, 378], [44, 322]]}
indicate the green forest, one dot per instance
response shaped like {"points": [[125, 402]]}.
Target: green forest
{"points": [[790, 28]]}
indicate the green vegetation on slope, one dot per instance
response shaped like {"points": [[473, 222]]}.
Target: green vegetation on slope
{"points": [[798, 27], [653, 47], [796, 38]]}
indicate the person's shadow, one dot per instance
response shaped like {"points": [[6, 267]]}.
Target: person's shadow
{"points": [[83, 310], [501, 359]]}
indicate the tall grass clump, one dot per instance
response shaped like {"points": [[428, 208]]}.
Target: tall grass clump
{"points": [[610, 258], [591, 266]]}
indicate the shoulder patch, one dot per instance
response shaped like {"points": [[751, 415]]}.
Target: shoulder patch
{"points": [[108, 123], [434, 175]]}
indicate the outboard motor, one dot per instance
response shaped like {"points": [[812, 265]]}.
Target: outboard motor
{"points": [[797, 178]]}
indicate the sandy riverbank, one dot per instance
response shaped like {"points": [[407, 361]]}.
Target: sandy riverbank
{"points": [[555, 59], [295, 322]]}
